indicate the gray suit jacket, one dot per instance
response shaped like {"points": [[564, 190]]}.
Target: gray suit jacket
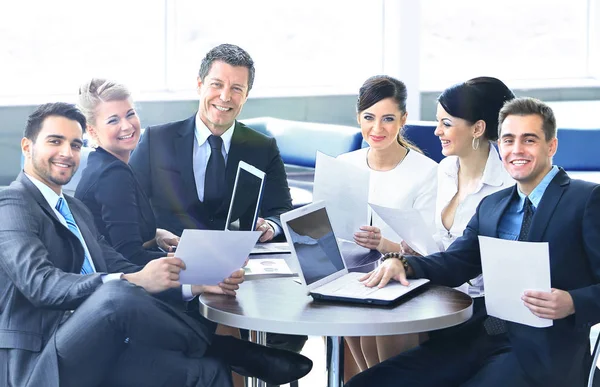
{"points": [[40, 261]]}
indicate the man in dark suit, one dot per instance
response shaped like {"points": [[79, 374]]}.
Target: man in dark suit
{"points": [[545, 206], [74, 312], [187, 168]]}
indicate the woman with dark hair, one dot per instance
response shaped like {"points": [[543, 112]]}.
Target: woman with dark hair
{"points": [[467, 115], [400, 177]]}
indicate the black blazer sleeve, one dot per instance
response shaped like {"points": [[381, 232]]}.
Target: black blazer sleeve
{"points": [[140, 163], [116, 195]]}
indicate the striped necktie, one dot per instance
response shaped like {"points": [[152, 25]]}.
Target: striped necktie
{"points": [[64, 210]]}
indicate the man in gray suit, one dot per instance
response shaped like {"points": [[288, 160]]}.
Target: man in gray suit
{"points": [[73, 312]]}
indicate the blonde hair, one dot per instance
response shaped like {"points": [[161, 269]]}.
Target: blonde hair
{"points": [[96, 91]]}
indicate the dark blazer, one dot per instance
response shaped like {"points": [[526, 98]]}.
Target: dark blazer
{"points": [[40, 262], [568, 218], [162, 163], [121, 210]]}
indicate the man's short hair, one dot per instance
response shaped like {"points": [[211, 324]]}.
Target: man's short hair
{"points": [[526, 106], [230, 54], [57, 109]]}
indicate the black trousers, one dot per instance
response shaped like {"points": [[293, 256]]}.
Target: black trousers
{"points": [[122, 336]]}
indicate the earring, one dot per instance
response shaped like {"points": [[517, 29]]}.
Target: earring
{"points": [[475, 143]]}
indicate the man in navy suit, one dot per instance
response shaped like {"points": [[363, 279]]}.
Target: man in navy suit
{"points": [[545, 206], [187, 168]]}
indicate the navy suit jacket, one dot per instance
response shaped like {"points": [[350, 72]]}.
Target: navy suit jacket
{"points": [[121, 210], [163, 164], [568, 218]]}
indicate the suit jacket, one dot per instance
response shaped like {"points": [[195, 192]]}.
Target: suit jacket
{"points": [[568, 218], [40, 262], [121, 210], [163, 164]]}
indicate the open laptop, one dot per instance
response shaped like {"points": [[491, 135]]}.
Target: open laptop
{"points": [[247, 192], [320, 264]]}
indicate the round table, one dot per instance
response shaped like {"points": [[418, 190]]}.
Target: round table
{"points": [[281, 305]]}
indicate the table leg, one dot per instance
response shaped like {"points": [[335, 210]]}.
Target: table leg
{"points": [[335, 369], [259, 338]]}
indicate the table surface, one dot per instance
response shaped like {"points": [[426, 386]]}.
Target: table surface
{"points": [[281, 305]]}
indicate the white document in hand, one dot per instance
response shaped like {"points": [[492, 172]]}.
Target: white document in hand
{"points": [[410, 226], [345, 190], [210, 256], [509, 269]]}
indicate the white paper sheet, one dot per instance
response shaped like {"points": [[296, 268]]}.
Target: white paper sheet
{"points": [[510, 268], [210, 256], [410, 226], [345, 190]]}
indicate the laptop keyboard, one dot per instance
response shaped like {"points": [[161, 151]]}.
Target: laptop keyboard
{"points": [[347, 286]]}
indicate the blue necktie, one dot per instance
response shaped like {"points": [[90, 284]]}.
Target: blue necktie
{"points": [[64, 210], [214, 179]]}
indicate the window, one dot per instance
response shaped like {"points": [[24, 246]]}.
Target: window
{"points": [[301, 45], [51, 47], [508, 39]]}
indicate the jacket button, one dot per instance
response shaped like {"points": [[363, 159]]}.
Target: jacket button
{"points": [[211, 219]]}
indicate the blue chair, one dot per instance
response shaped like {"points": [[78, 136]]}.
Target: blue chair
{"points": [[578, 153]]}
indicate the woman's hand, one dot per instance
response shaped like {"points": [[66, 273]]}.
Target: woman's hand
{"points": [[369, 237], [407, 250], [166, 240]]}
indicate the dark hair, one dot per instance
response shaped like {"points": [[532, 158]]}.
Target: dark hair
{"points": [[477, 99], [58, 109], [230, 54], [380, 87], [526, 106]]}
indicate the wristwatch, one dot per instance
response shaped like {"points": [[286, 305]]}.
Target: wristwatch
{"points": [[396, 256]]}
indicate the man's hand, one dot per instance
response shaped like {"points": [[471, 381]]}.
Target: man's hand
{"points": [[554, 305], [267, 230], [158, 275], [391, 268], [369, 237], [228, 286], [166, 240]]}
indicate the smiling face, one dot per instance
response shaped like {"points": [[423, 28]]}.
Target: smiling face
{"points": [[456, 134], [117, 128], [381, 123], [53, 157], [223, 93], [526, 153]]}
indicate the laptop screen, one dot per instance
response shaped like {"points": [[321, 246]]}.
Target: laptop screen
{"points": [[315, 245], [247, 193]]}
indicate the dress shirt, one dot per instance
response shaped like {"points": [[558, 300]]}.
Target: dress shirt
{"points": [[510, 223], [52, 199], [202, 154], [494, 178]]}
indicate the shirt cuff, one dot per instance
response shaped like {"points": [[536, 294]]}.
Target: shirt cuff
{"points": [[111, 277], [186, 292], [275, 226]]}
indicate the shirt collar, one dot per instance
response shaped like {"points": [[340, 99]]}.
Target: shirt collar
{"points": [[536, 195], [50, 196], [202, 132], [492, 173]]}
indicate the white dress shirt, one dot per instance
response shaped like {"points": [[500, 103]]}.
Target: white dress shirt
{"points": [[494, 178], [52, 199], [411, 184]]}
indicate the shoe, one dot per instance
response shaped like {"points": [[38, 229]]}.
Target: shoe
{"points": [[271, 365]]}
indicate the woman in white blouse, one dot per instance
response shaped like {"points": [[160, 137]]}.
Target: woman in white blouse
{"points": [[401, 177]]}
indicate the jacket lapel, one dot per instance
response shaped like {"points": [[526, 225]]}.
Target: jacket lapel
{"points": [[499, 209], [547, 205], [88, 236], [184, 149]]}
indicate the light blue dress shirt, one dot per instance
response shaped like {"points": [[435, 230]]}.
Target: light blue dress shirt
{"points": [[510, 223]]}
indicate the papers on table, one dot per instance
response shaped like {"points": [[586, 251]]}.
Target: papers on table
{"points": [[509, 269], [410, 226], [345, 190], [271, 248], [210, 256], [267, 268]]}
